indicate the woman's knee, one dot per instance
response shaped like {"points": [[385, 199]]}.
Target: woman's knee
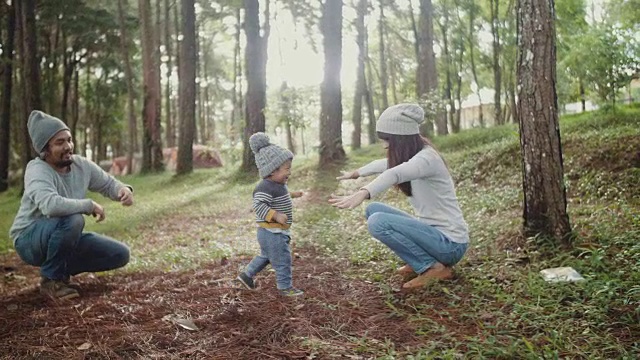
{"points": [[373, 208], [377, 223]]}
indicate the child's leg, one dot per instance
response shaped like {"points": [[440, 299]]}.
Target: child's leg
{"points": [[277, 248], [259, 262]]}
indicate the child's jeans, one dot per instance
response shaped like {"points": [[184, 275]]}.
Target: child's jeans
{"points": [[274, 249], [420, 245]]}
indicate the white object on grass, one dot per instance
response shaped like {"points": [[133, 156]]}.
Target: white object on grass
{"points": [[561, 274]]}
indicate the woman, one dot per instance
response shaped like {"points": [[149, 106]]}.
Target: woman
{"points": [[437, 237]]}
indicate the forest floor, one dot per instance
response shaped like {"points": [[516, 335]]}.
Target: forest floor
{"points": [[139, 314], [190, 236]]}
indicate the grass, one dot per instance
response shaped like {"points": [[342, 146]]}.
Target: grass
{"points": [[499, 307]]}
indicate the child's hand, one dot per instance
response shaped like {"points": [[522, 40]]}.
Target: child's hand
{"points": [[296, 194], [280, 218]]}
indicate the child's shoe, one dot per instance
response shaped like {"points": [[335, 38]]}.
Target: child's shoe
{"points": [[291, 292], [246, 281]]}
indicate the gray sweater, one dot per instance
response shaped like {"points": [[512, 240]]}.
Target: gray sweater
{"points": [[433, 195], [52, 194]]}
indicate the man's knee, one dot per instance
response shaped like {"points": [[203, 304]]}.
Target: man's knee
{"points": [[74, 223], [121, 257]]}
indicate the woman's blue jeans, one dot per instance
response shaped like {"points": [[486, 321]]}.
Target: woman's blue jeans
{"points": [[420, 245], [59, 247], [274, 250]]}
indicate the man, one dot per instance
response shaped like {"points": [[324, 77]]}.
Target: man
{"points": [[48, 229]]}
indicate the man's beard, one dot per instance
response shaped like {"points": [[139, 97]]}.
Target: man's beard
{"points": [[64, 163]]}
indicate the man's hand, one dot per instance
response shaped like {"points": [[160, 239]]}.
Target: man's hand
{"points": [[98, 212], [126, 196], [296, 194], [280, 218], [349, 201], [346, 175]]}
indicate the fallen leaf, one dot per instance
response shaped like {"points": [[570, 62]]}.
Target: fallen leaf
{"points": [[186, 323], [84, 346]]}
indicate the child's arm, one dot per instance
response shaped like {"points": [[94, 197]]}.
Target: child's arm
{"points": [[296, 194]]}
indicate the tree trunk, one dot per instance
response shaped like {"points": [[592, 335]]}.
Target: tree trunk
{"points": [[384, 78], [236, 113], [497, 76], [128, 73], [169, 134], [33, 100], [75, 107], [442, 128], [152, 144], [187, 94], [285, 110], [256, 58], [360, 80], [545, 203], [427, 76], [583, 98], [368, 85], [331, 151], [7, 82], [472, 57]]}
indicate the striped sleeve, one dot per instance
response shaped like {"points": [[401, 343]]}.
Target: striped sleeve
{"points": [[262, 206]]}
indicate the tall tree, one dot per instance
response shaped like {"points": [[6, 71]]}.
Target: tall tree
{"points": [[256, 68], [236, 91], [427, 76], [31, 81], [384, 77], [497, 74], [168, 43], [128, 73], [152, 143], [187, 94], [331, 151], [545, 203], [7, 81], [360, 91]]}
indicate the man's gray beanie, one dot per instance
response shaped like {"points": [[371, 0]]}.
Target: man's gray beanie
{"points": [[401, 119], [269, 157], [42, 127]]}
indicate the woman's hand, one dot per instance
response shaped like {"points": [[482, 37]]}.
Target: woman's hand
{"points": [[346, 175], [349, 201]]}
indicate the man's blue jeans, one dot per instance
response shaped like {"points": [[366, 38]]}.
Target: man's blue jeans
{"points": [[274, 249], [59, 247], [420, 245]]}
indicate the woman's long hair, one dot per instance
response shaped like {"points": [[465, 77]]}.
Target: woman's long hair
{"points": [[401, 149]]}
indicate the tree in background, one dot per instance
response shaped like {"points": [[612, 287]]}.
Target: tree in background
{"points": [[128, 73], [31, 66], [256, 63], [7, 81], [361, 86], [331, 151], [187, 95], [427, 76], [152, 143], [545, 202]]}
